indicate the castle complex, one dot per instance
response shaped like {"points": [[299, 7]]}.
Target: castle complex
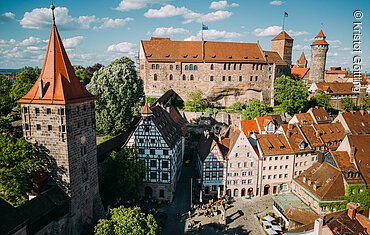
{"points": [[225, 71], [58, 116]]}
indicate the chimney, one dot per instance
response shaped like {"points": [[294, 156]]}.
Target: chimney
{"points": [[318, 227], [41, 89], [320, 157]]}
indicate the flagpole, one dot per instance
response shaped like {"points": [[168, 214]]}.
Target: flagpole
{"points": [[283, 21], [202, 44]]}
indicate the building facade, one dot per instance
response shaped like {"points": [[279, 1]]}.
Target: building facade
{"points": [[58, 116], [159, 143], [239, 71]]}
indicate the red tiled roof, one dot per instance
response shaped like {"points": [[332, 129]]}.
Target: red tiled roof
{"points": [[358, 122], [320, 34], [164, 49], [299, 72], [248, 126], [282, 35], [145, 109], [295, 138], [320, 115], [331, 134], [335, 87], [361, 145], [302, 59], [273, 57], [58, 80], [273, 144], [304, 118], [300, 215], [320, 42], [263, 121], [343, 162]]}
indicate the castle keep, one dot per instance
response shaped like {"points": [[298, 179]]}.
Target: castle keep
{"points": [[225, 71]]}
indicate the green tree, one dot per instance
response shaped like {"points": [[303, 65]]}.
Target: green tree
{"points": [[291, 94], [321, 99], [119, 96], [6, 101], [365, 103], [123, 60], [126, 174], [24, 82], [151, 100], [89, 72], [237, 106], [347, 104], [80, 72], [129, 221], [18, 161], [195, 101], [255, 108]]}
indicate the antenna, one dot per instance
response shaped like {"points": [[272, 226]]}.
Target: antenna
{"points": [[52, 7]]}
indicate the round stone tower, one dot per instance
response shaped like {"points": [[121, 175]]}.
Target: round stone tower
{"points": [[319, 49]]}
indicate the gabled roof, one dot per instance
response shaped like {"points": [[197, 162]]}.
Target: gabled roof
{"points": [[274, 144], [358, 122], [312, 137], [334, 88], [282, 35], [330, 133], [320, 115], [273, 57], [230, 137], [299, 72], [249, 126], [327, 178], [206, 144], [300, 215], [145, 109], [165, 49], [304, 118], [361, 150], [343, 162], [296, 141], [57, 83], [263, 121]]}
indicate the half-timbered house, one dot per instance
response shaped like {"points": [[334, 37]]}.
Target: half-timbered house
{"points": [[159, 142]]}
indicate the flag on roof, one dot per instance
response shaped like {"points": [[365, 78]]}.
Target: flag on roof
{"points": [[285, 14], [204, 27]]}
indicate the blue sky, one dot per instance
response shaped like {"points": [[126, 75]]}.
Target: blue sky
{"points": [[100, 31]]}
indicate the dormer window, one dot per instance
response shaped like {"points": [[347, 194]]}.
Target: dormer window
{"points": [[318, 118], [314, 187], [309, 182]]}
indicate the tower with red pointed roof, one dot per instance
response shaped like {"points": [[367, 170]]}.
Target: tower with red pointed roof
{"points": [[302, 61], [283, 45], [58, 115], [319, 49]]}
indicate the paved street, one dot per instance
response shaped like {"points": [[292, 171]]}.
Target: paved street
{"points": [[241, 216]]}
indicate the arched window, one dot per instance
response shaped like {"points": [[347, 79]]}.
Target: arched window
{"points": [[153, 66], [195, 67], [171, 77], [234, 66], [228, 66], [225, 66], [192, 77], [155, 77], [171, 67], [261, 66], [157, 66], [253, 65], [191, 67], [212, 67], [184, 77], [186, 67], [240, 66]]}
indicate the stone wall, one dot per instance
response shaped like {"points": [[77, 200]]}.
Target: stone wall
{"points": [[222, 117], [318, 59]]}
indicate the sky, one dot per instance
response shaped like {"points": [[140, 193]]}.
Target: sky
{"points": [[101, 31]]}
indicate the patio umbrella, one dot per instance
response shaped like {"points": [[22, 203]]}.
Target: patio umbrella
{"points": [[269, 218], [276, 227], [267, 223], [271, 231]]}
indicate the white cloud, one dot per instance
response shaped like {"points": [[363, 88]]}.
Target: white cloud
{"points": [[30, 41], [277, 3], [222, 5], [123, 47], [113, 23], [162, 31], [166, 11], [188, 15], [334, 43], [213, 35], [6, 43], [73, 42], [332, 54], [344, 49], [299, 47], [6, 17], [127, 5], [275, 30]]}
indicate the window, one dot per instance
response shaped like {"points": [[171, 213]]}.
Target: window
{"points": [[50, 127], [236, 173], [152, 141], [256, 78], [152, 152], [245, 164], [280, 176], [165, 152], [228, 66], [286, 166], [195, 67], [48, 111], [157, 66], [275, 167], [244, 181], [249, 181], [141, 151], [261, 66], [234, 66], [229, 78], [153, 175], [236, 154], [231, 165], [276, 158], [164, 176], [191, 67], [264, 177], [223, 78], [63, 128], [252, 164], [38, 127], [214, 164], [214, 175], [225, 66], [212, 67], [274, 176], [61, 111], [270, 167], [177, 67], [171, 67], [240, 66], [220, 174], [153, 66], [239, 165], [85, 123], [251, 78], [171, 77], [192, 77], [37, 111], [286, 176], [161, 192], [25, 110], [211, 78], [208, 165], [207, 175], [240, 78], [164, 164], [244, 173], [155, 77], [281, 167], [26, 127], [186, 67], [253, 66], [184, 77], [153, 163]]}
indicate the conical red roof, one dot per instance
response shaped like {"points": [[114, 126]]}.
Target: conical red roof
{"points": [[320, 34], [302, 59], [146, 109], [282, 35], [57, 79]]}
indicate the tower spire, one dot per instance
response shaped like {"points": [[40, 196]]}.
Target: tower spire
{"points": [[52, 7]]}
